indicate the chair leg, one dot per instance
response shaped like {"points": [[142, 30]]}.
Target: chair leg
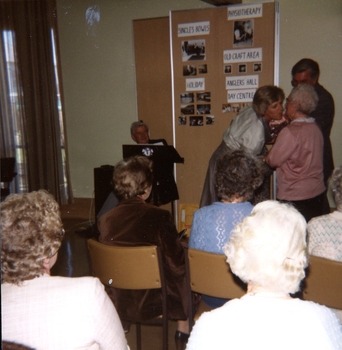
{"points": [[138, 329], [165, 333]]}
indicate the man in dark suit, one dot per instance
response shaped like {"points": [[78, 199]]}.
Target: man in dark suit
{"points": [[306, 71]]}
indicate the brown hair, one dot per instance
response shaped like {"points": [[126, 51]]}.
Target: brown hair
{"points": [[238, 174], [31, 229], [132, 177]]}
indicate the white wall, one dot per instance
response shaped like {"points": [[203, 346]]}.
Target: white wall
{"points": [[99, 78]]}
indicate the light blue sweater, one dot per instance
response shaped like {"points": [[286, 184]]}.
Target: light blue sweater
{"points": [[212, 225]]}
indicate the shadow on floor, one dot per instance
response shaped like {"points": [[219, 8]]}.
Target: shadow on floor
{"points": [[151, 337]]}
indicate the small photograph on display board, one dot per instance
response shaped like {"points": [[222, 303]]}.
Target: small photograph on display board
{"points": [[226, 108], [236, 107], [187, 97], [228, 69], [182, 120], [202, 69], [243, 33], [203, 109], [257, 67], [189, 70], [196, 121], [242, 68], [187, 109], [209, 120], [193, 50], [243, 105], [203, 96]]}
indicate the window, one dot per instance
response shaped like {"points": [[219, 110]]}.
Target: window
{"points": [[12, 122], [13, 118]]}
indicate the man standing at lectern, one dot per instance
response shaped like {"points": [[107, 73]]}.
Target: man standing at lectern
{"points": [[306, 71], [140, 134], [164, 189]]}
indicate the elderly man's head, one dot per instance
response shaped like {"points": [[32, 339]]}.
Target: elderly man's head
{"points": [[140, 132], [305, 71]]}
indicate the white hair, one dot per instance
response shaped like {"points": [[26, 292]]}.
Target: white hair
{"points": [[268, 248], [306, 97]]}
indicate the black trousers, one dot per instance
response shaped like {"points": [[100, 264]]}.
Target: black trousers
{"points": [[311, 207]]}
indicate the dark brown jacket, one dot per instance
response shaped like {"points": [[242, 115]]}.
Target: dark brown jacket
{"points": [[133, 223]]}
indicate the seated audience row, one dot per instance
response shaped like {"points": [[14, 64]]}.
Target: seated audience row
{"points": [[267, 250], [325, 232]]}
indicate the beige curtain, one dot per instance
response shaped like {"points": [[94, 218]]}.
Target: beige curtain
{"points": [[33, 23]]}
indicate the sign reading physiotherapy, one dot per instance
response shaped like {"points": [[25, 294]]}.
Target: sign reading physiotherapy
{"points": [[191, 29], [244, 11]]}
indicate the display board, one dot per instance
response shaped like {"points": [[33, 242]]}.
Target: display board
{"points": [[219, 58]]}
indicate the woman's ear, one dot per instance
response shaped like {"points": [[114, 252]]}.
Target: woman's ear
{"points": [[48, 263], [146, 193]]}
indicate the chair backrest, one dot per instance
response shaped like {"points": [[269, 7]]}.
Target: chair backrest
{"points": [[210, 274], [126, 267], [323, 283]]}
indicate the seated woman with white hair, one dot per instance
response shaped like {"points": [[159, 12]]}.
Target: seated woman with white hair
{"points": [[267, 250], [325, 232]]}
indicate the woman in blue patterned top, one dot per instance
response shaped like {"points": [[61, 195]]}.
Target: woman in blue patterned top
{"points": [[238, 175]]}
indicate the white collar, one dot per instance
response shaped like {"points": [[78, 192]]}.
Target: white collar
{"points": [[304, 120]]}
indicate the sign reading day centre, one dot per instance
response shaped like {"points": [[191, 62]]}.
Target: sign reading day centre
{"points": [[240, 96]]}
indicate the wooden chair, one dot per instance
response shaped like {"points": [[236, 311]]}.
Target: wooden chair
{"points": [[131, 268], [323, 283], [7, 173], [210, 274]]}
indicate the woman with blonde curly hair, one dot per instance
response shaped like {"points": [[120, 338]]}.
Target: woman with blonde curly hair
{"points": [[325, 232], [38, 310], [267, 250]]}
